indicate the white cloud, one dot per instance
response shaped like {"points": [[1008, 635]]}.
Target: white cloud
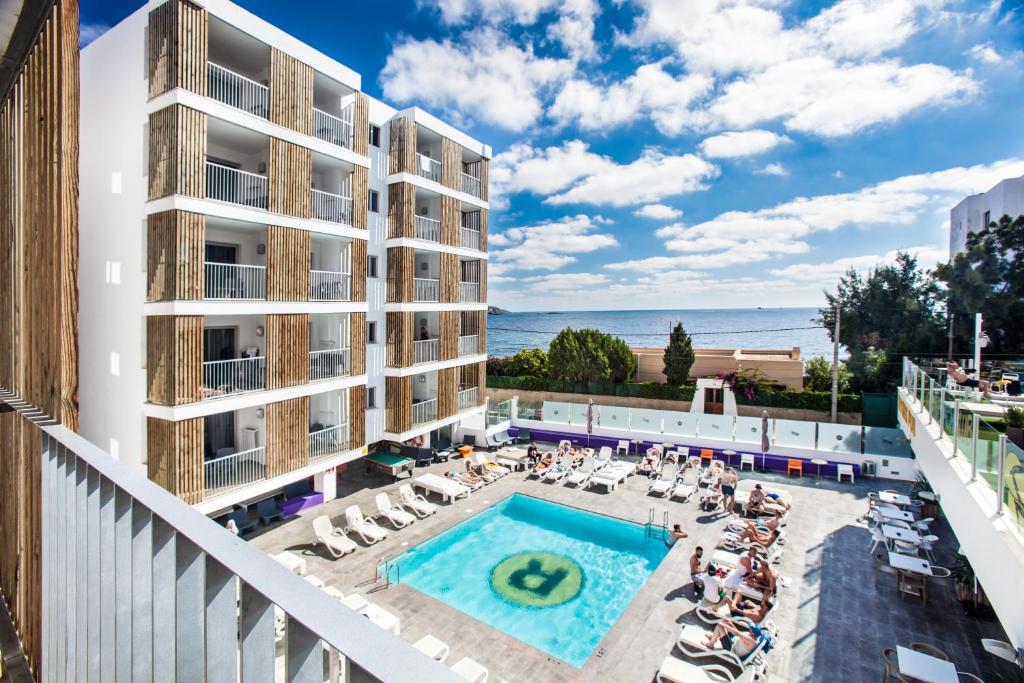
{"points": [[523, 168], [774, 168], [985, 53], [838, 173], [550, 245], [741, 143], [827, 274], [658, 212], [89, 32]]}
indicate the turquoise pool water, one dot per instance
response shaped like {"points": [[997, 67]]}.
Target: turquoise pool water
{"points": [[554, 577]]}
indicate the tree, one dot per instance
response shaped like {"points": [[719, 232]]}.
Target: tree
{"points": [[818, 376], [678, 356], [621, 359], [528, 363], [590, 356]]}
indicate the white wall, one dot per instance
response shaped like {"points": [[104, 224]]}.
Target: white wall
{"points": [[376, 287], [249, 417], [1006, 197], [245, 326], [247, 162], [248, 254], [328, 331]]}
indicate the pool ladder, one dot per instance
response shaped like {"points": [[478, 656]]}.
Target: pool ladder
{"points": [[389, 565], [651, 525]]}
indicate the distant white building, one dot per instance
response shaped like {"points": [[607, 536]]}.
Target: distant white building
{"points": [[978, 210]]}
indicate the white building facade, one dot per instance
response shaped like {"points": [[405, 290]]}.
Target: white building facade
{"points": [[975, 212]]}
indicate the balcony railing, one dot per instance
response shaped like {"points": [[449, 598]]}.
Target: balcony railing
{"points": [[328, 363], [223, 377], [426, 289], [469, 344], [327, 285], [469, 292], [428, 229], [233, 281], [424, 411], [327, 442], [333, 129], [469, 398], [230, 472], [332, 207], [470, 238], [425, 351], [227, 184], [499, 413], [428, 168], [237, 91], [470, 184]]}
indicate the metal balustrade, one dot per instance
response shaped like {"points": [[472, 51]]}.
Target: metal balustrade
{"points": [[469, 398], [234, 281], [428, 168], [424, 411], [229, 472], [333, 129], [237, 91], [428, 229], [328, 285], [470, 184], [469, 292], [328, 363], [327, 442], [470, 238], [469, 344], [425, 351], [426, 289], [223, 377], [335, 208], [227, 184]]}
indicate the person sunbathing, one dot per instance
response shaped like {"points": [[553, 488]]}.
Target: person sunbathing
{"points": [[740, 641], [755, 501], [750, 609], [763, 579], [754, 535], [469, 476], [958, 375], [545, 463]]}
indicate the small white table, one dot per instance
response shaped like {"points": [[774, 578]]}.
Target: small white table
{"points": [[291, 562], [897, 533], [728, 456], [819, 462], [894, 498], [922, 667], [514, 465], [909, 563], [383, 618], [902, 515]]}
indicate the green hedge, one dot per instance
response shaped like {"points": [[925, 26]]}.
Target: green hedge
{"points": [[769, 398]]}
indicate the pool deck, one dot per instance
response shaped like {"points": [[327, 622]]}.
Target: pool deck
{"points": [[833, 621]]}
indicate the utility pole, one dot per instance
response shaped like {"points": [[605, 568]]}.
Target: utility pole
{"points": [[835, 369], [979, 341], [952, 319]]}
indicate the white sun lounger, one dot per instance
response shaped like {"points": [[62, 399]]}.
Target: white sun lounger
{"points": [[561, 470], [691, 642], [470, 670], [415, 502], [675, 670], [665, 484], [368, 529], [604, 456], [613, 475], [446, 488], [687, 486], [583, 473], [479, 458], [394, 514], [433, 647], [333, 538]]}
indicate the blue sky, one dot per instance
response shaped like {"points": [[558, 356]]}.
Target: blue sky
{"points": [[698, 154]]}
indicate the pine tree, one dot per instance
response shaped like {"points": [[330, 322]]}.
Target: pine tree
{"points": [[678, 356]]}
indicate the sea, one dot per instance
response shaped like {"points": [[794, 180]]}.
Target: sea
{"points": [[758, 328]]}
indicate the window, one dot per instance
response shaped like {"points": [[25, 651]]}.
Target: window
{"points": [[375, 135], [374, 201], [986, 220], [371, 266], [371, 397], [371, 333]]}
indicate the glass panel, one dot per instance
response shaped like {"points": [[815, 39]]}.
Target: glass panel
{"points": [[681, 424], [643, 420], [1013, 477], [556, 413], [578, 414], [987, 456], [794, 433], [964, 434], [886, 441], [716, 427], [839, 438], [613, 417], [748, 429]]}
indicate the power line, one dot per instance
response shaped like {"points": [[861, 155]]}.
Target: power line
{"points": [[665, 334]]}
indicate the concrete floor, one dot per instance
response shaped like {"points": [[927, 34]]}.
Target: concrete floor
{"points": [[833, 621]]}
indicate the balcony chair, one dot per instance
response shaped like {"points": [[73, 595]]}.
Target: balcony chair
{"points": [[268, 511], [844, 471], [242, 520], [443, 450], [706, 456], [793, 465], [424, 456], [622, 447], [523, 436], [747, 459], [498, 440]]}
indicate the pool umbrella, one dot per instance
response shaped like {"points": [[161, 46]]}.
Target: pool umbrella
{"points": [[590, 419], [765, 445]]}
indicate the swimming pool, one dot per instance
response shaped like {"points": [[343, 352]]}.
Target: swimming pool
{"points": [[554, 577]]}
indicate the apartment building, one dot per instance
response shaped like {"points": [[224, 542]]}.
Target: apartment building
{"points": [[276, 269], [978, 210]]}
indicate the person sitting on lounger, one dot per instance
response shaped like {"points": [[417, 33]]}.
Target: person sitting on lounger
{"points": [[532, 454], [738, 640], [696, 571], [755, 501], [763, 579], [712, 496], [762, 538], [713, 590], [676, 534], [545, 463], [469, 476]]}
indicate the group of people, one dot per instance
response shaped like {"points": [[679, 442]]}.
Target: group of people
{"points": [[746, 590], [566, 456]]}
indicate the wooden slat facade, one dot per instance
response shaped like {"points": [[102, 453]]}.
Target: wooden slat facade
{"points": [[287, 425], [398, 404], [483, 330], [177, 45], [360, 197], [451, 164], [175, 251], [288, 252], [361, 125], [402, 146], [291, 92], [177, 152], [449, 335], [399, 336], [290, 179], [483, 281], [174, 359], [450, 273], [451, 221], [484, 163], [447, 392], [357, 264], [174, 457], [287, 350], [401, 267], [357, 416], [401, 210], [357, 342], [483, 229]]}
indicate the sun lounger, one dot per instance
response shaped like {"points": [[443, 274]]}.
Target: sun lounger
{"points": [[394, 514], [686, 486], [433, 647], [460, 477], [562, 469], [499, 439], [675, 670], [368, 529], [470, 670], [355, 602], [495, 468], [665, 484], [446, 488], [333, 538], [315, 581], [564, 443], [243, 521], [382, 618], [604, 456], [714, 614], [692, 639], [583, 472], [479, 461], [415, 502], [268, 511], [610, 477]]}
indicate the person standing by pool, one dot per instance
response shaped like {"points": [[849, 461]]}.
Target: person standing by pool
{"points": [[728, 481], [696, 571]]}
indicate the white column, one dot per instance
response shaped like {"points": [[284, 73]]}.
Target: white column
{"points": [[326, 482]]}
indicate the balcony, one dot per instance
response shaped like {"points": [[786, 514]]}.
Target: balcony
{"points": [[470, 239], [428, 229], [226, 184], [332, 129], [328, 363], [235, 90], [332, 207], [469, 398], [229, 281], [469, 345], [428, 168], [469, 292], [230, 472], [225, 377], [327, 285], [470, 185], [425, 351], [324, 443], [426, 289], [424, 411]]}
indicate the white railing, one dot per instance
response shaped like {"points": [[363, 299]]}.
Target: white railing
{"points": [[328, 442], [227, 184], [426, 289], [424, 411], [428, 168], [470, 184], [469, 292], [233, 281], [335, 130], [425, 351], [470, 238], [328, 363], [222, 377], [469, 398], [229, 472], [428, 229], [327, 285], [237, 91], [469, 344], [332, 207]]}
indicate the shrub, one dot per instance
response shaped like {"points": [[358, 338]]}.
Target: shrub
{"points": [[1015, 418], [818, 376], [678, 356], [590, 356]]}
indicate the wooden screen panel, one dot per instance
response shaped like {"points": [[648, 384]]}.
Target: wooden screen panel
{"points": [[450, 273], [174, 359], [398, 401], [357, 416], [447, 392], [399, 335], [287, 350], [483, 229], [483, 281], [402, 146], [361, 125], [483, 178], [401, 264], [357, 342], [287, 424], [451, 221], [175, 247], [449, 337], [291, 179], [291, 92], [174, 457], [451, 164], [357, 265], [483, 330], [177, 152], [360, 197], [177, 48], [288, 252], [481, 381], [402, 210]]}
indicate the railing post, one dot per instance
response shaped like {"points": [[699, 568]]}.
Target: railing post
{"points": [[1001, 488], [974, 447]]}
